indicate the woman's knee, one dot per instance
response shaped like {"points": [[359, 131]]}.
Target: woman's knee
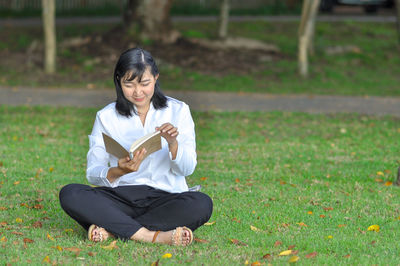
{"points": [[202, 205], [69, 194]]}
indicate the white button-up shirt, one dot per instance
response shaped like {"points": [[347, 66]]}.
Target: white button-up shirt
{"points": [[158, 170]]}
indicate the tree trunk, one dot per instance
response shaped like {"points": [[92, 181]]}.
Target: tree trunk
{"points": [[48, 16], [306, 32], [398, 18], [152, 17], [224, 19]]}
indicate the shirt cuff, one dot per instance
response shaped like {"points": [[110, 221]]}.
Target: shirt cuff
{"points": [[107, 182]]}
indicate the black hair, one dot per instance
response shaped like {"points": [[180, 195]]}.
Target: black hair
{"points": [[134, 62]]}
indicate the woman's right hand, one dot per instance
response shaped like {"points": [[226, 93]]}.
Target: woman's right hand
{"points": [[128, 165]]}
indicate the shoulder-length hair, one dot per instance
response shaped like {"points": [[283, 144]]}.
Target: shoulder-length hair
{"points": [[134, 62]]}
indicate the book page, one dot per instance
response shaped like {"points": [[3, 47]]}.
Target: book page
{"points": [[114, 148], [151, 142]]}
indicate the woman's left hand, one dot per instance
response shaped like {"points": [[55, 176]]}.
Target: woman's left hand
{"points": [[169, 133]]}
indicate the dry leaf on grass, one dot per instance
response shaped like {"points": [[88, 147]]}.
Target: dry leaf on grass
{"points": [[277, 243], [76, 250], [112, 246], [238, 243], [210, 223], [200, 240], [374, 227], [255, 229], [285, 253], [311, 255], [293, 259], [166, 256]]}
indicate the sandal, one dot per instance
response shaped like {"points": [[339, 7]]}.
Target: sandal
{"points": [[176, 238], [90, 232]]}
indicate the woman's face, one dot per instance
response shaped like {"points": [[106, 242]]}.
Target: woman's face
{"points": [[139, 93]]}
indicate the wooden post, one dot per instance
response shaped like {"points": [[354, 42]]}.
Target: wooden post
{"points": [[224, 19], [49, 28]]}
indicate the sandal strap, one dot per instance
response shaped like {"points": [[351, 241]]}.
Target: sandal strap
{"points": [[155, 236]]}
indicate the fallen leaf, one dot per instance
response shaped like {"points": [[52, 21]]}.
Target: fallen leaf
{"points": [[46, 259], [374, 227], [166, 256], [342, 225], [310, 212], [37, 224], [322, 216], [155, 263], [68, 230], [373, 242], [3, 239], [329, 237], [3, 208], [347, 256], [92, 254], [4, 223], [237, 180], [238, 243], [380, 173], [28, 240], [311, 255], [267, 256], [24, 205], [75, 250], [328, 208], [291, 247], [256, 263], [17, 233], [285, 253], [58, 248], [302, 224], [203, 178], [379, 180], [210, 223], [17, 182], [38, 172], [38, 206], [51, 169], [18, 220], [277, 243], [293, 259], [295, 252], [50, 237], [201, 240], [255, 229], [112, 246], [388, 183], [238, 221]]}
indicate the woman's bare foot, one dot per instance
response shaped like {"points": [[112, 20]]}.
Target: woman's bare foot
{"points": [[98, 234], [181, 236]]}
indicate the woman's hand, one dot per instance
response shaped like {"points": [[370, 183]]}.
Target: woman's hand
{"points": [[128, 165], [169, 133]]}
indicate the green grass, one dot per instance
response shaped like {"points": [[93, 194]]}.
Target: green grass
{"points": [[266, 170]]}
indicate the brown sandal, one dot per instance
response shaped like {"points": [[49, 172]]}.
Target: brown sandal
{"points": [[177, 236], [90, 232]]}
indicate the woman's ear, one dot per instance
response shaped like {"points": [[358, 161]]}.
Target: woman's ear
{"points": [[156, 77]]}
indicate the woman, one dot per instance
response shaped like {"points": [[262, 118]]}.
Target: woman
{"points": [[140, 199]]}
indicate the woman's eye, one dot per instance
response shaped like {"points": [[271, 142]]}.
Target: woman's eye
{"points": [[145, 84]]}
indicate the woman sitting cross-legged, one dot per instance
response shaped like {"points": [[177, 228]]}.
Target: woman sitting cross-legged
{"points": [[144, 199]]}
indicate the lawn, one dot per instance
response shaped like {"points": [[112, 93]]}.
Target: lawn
{"points": [[371, 65], [313, 184]]}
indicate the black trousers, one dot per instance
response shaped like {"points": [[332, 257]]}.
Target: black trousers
{"points": [[124, 210]]}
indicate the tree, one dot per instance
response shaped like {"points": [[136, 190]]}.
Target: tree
{"points": [[306, 33], [224, 19], [48, 17], [398, 18], [153, 19]]}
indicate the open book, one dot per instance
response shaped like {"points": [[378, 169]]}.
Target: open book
{"points": [[151, 142]]}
